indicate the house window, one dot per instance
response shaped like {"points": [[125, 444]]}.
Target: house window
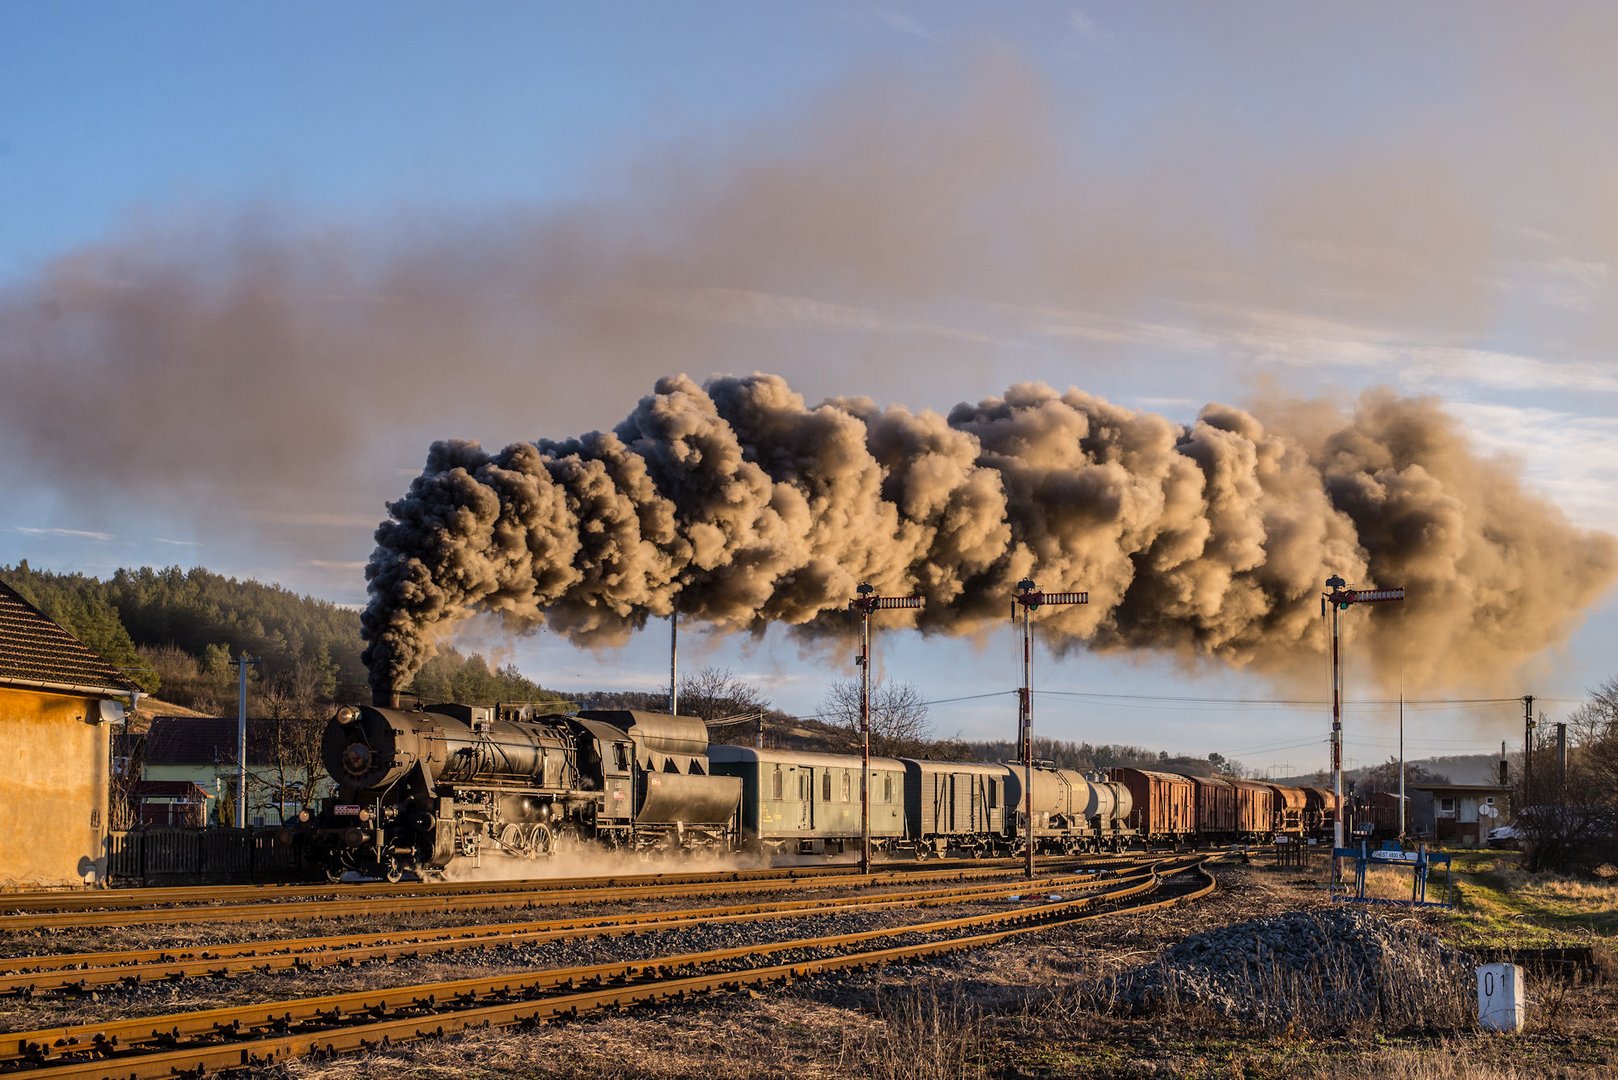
{"points": [[1446, 804], [775, 784], [1489, 801]]}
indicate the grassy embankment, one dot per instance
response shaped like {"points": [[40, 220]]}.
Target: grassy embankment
{"points": [[1499, 906]]}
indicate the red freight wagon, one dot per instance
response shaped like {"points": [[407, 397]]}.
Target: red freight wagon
{"points": [[1215, 803], [1289, 806], [1165, 804], [1255, 808], [1319, 811]]}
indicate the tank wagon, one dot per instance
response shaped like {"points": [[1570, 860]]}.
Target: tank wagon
{"points": [[1072, 812], [419, 788]]}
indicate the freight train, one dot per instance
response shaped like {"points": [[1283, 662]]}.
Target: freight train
{"points": [[418, 789]]}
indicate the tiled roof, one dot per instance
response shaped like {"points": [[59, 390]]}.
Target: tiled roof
{"points": [[36, 652], [207, 740]]}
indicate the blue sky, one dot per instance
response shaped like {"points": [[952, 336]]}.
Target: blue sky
{"points": [[400, 222]]}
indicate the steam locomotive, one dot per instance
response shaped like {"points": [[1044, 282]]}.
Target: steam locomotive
{"points": [[421, 788]]}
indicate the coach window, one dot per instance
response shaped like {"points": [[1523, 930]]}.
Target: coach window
{"points": [[806, 786], [775, 784], [887, 789], [825, 786], [994, 794], [620, 755], [847, 787]]}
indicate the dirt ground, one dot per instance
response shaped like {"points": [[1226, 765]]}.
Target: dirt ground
{"points": [[1019, 1010], [1024, 1009]]}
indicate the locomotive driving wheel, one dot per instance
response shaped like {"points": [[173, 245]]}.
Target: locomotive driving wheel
{"points": [[541, 841]]}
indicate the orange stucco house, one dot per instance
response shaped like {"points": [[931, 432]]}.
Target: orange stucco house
{"points": [[57, 702]]}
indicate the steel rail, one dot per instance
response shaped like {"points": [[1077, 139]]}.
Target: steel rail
{"points": [[76, 972], [215, 895], [500, 896], [670, 973], [462, 996]]}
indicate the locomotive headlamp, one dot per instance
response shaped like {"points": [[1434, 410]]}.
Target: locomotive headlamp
{"points": [[347, 714], [305, 816]]}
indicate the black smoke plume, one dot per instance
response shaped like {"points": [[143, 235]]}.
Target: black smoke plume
{"points": [[740, 505]]}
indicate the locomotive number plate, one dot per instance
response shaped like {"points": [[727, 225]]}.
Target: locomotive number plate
{"points": [[351, 810]]}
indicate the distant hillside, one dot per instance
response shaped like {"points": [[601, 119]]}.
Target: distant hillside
{"points": [[175, 631]]}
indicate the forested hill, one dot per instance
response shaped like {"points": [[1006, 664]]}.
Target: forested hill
{"points": [[174, 632]]}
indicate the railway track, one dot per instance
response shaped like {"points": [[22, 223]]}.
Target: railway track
{"points": [[78, 972], [269, 1032], [429, 897]]}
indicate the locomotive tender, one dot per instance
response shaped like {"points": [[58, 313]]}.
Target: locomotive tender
{"points": [[421, 788]]}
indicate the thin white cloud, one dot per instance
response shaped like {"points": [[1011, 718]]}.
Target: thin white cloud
{"points": [[1084, 24], [75, 534], [1566, 455], [1308, 341], [328, 564], [313, 519], [750, 307], [176, 543], [904, 24]]}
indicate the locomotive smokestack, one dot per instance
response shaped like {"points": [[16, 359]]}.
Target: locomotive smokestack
{"points": [[385, 698]]}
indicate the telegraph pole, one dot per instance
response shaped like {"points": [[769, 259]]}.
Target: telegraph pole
{"points": [[1339, 600], [1528, 750], [1029, 598], [863, 604], [1401, 764], [241, 665], [674, 663]]}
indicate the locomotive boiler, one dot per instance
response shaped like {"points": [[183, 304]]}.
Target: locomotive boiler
{"points": [[420, 788]]}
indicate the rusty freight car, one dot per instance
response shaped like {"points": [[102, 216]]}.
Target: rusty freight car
{"points": [[1164, 804]]}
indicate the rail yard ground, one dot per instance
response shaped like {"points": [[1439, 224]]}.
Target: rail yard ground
{"points": [[1179, 992]]}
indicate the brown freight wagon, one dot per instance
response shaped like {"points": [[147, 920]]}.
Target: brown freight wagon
{"points": [[1289, 807], [1165, 804], [1215, 803], [1255, 808], [1320, 811]]}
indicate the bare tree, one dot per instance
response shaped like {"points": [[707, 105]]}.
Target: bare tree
{"points": [[716, 693], [294, 705], [1573, 821], [899, 719]]}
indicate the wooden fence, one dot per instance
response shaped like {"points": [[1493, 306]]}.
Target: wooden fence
{"points": [[172, 856]]}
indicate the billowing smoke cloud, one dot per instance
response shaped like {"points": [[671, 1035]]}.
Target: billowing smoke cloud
{"points": [[262, 374], [740, 505]]}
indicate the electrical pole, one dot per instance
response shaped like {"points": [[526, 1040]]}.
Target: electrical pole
{"points": [[1338, 600], [866, 602], [1401, 765], [1029, 598], [674, 663], [241, 665], [1528, 750]]}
